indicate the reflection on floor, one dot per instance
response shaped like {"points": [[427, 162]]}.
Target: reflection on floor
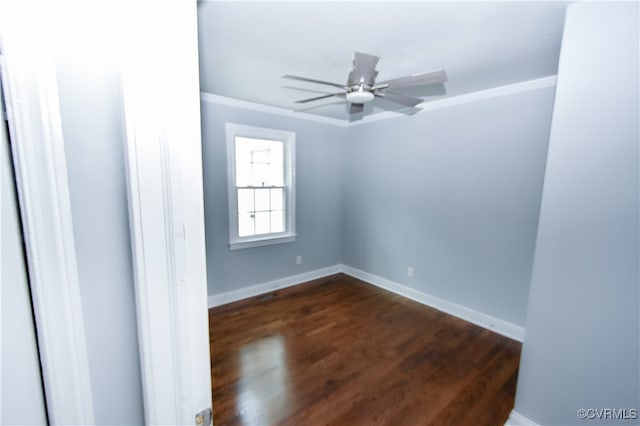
{"points": [[339, 351], [263, 378]]}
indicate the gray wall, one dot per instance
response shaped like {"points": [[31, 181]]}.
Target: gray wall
{"points": [[93, 135], [455, 193], [583, 325], [318, 201]]}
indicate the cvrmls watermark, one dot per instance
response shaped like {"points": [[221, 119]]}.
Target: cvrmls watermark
{"points": [[607, 413]]}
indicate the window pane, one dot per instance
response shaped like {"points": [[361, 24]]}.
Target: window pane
{"points": [[276, 166], [260, 175], [243, 161], [245, 224], [260, 155], [262, 223], [245, 200], [243, 174], [259, 162], [262, 200], [276, 199], [277, 221]]}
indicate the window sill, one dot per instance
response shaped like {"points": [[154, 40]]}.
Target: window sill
{"points": [[261, 241]]}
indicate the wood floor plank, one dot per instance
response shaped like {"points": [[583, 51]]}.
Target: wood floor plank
{"points": [[337, 351]]}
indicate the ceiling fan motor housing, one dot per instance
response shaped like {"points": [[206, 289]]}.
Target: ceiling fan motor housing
{"points": [[360, 94]]}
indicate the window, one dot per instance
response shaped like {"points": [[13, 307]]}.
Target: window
{"points": [[261, 186]]}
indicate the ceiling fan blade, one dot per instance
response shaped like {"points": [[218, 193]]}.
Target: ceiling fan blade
{"points": [[302, 89], [364, 69], [355, 117], [356, 108], [317, 98], [423, 78], [399, 99], [313, 80]]}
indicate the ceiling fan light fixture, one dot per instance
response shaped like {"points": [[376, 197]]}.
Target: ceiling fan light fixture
{"points": [[360, 96]]}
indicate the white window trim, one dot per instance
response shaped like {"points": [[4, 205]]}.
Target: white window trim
{"points": [[289, 138]]}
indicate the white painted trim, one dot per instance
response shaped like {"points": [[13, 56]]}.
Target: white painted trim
{"points": [[268, 109], [31, 94], [509, 89], [21, 391], [166, 209], [517, 419], [497, 325], [259, 242], [255, 290]]}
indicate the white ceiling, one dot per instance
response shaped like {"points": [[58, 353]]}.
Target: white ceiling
{"points": [[246, 47]]}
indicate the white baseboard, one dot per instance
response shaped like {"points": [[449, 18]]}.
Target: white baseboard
{"points": [[517, 419], [499, 326], [255, 290]]}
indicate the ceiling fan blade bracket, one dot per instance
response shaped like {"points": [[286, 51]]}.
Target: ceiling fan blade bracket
{"points": [[380, 87]]}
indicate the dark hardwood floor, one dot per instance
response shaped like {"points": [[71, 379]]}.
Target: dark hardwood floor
{"points": [[337, 351]]}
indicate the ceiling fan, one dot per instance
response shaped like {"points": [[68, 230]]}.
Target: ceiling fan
{"points": [[361, 86]]}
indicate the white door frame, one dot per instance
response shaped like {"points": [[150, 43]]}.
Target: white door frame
{"points": [[161, 98], [21, 392], [33, 109], [164, 181]]}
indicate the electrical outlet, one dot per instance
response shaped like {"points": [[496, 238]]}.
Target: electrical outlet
{"points": [[298, 260], [410, 271]]}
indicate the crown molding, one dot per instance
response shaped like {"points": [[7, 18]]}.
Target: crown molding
{"points": [[467, 98], [268, 109], [494, 92]]}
